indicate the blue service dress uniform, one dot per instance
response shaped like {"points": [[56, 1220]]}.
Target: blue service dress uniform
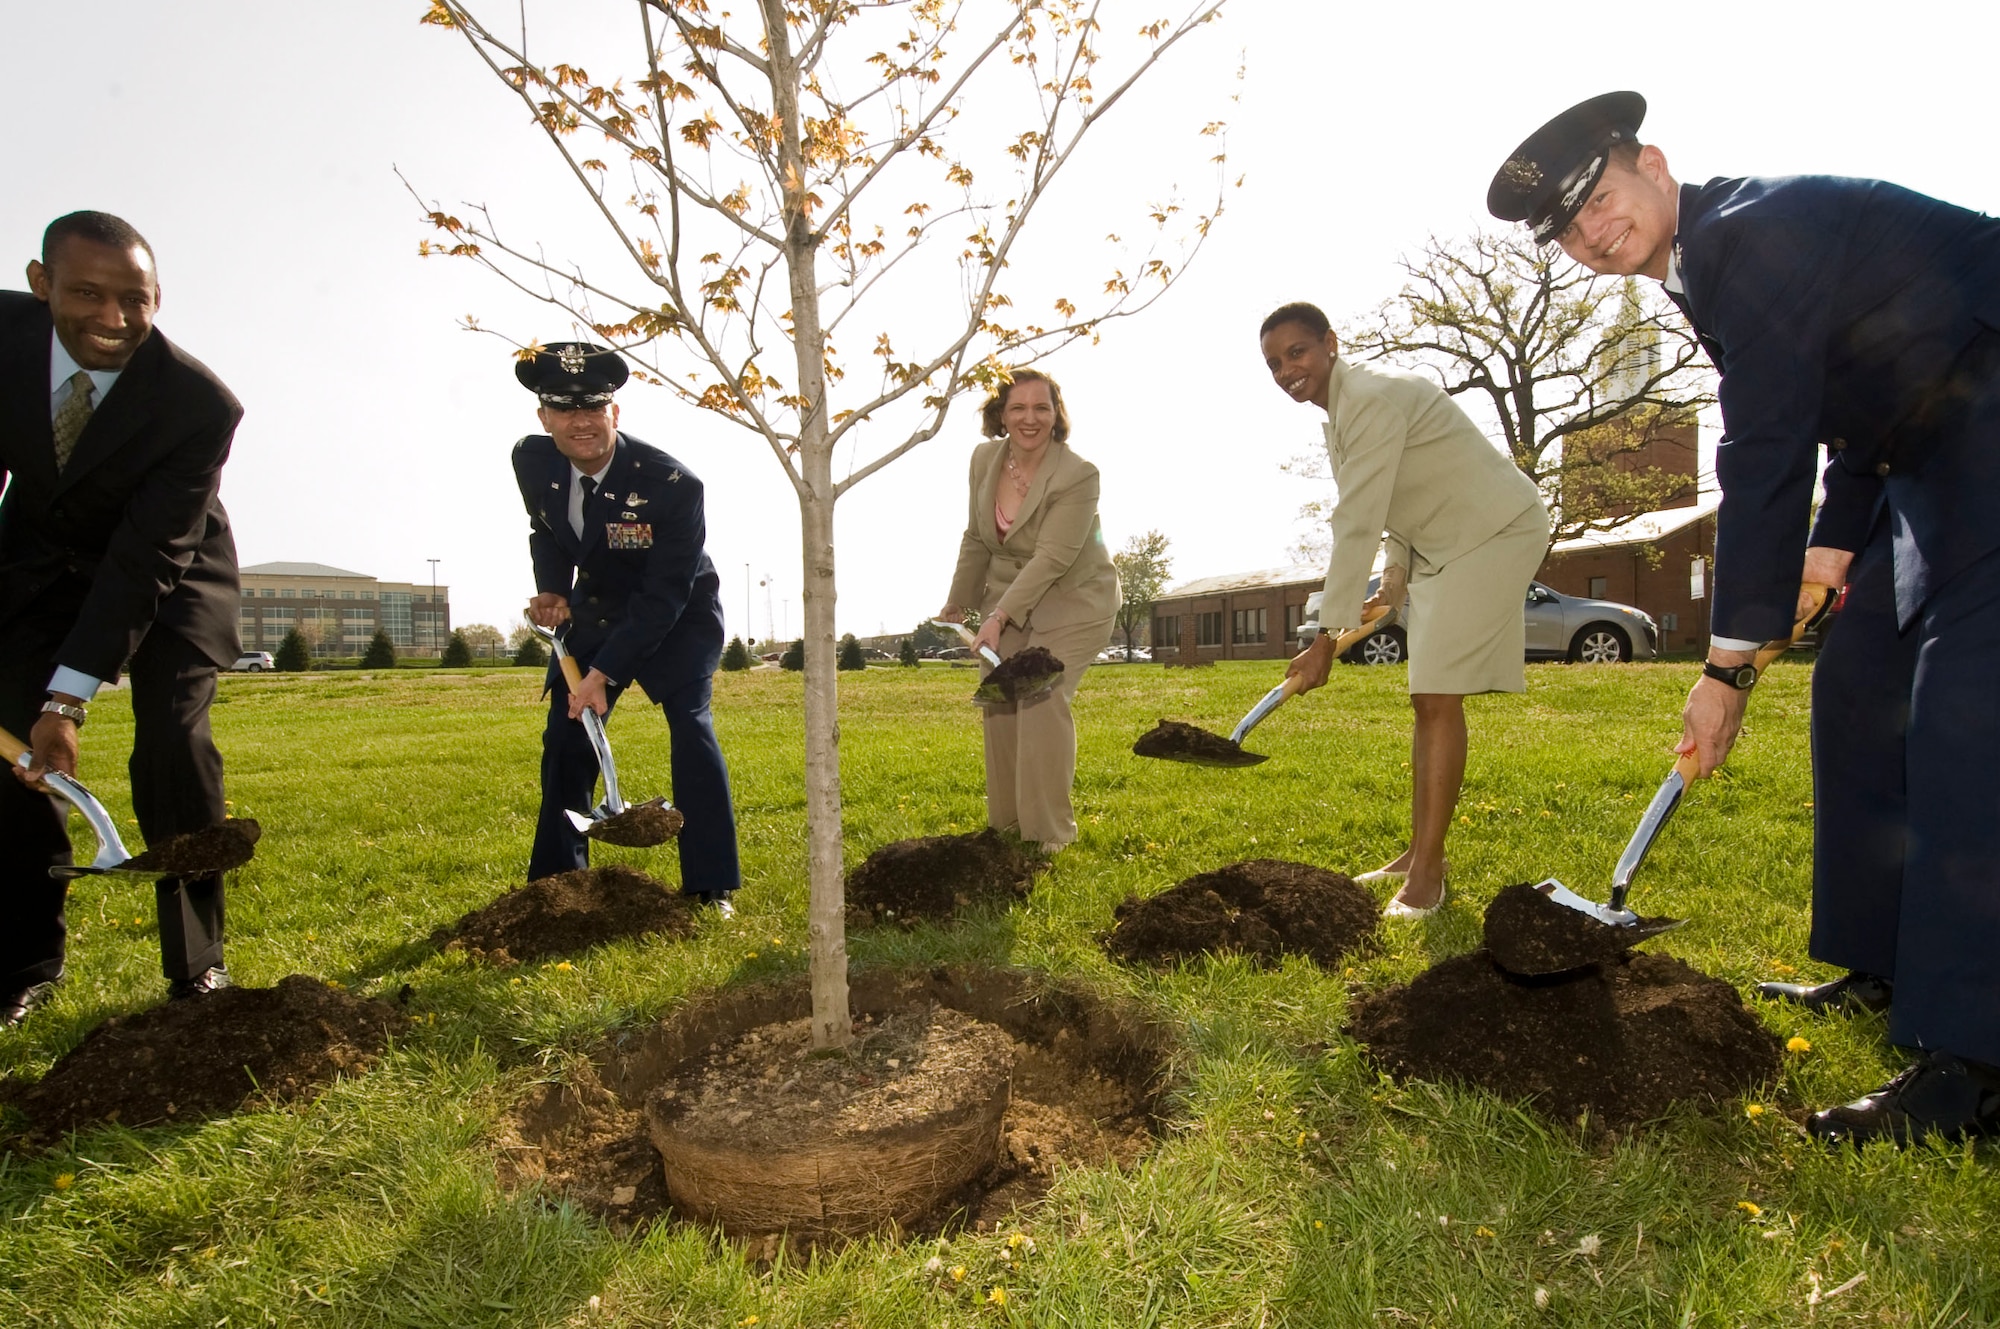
{"points": [[1864, 318], [646, 607]]}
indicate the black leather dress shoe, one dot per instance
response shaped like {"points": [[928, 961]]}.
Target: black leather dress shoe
{"points": [[1941, 1095], [212, 979], [1857, 990], [18, 1006]]}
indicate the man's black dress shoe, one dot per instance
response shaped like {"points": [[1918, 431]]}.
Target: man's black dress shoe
{"points": [[1862, 991], [18, 1006], [212, 979], [1942, 1095]]}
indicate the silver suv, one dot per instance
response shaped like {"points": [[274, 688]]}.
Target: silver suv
{"points": [[1560, 627], [254, 662]]}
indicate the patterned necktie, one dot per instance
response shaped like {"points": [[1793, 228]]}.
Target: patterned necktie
{"points": [[72, 416]]}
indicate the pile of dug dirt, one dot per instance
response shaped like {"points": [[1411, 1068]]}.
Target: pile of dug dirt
{"points": [[199, 853], [937, 876], [1621, 1040], [1174, 741], [1264, 908], [640, 826], [208, 1056], [569, 912], [1022, 674]]}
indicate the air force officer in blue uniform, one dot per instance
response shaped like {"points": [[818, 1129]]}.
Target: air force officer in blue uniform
{"points": [[1862, 318], [616, 532]]}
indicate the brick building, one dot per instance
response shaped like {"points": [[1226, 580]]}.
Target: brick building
{"points": [[1659, 563], [339, 611], [1243, 616]]}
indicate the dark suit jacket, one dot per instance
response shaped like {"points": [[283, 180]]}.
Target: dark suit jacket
{"points": [[131, 533], [644, 604], [1863, 317]]}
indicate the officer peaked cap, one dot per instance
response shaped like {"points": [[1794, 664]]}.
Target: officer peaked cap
{"points": [[572, 375], [1547, 180]]}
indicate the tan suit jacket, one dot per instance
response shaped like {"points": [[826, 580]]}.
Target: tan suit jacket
{"points": [[1052, 571], [1409, 464]]}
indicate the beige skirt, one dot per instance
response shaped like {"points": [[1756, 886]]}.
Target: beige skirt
{"points": [[1467, 633]]}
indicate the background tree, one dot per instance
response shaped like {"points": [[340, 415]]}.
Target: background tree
{"points": [[293, 654], [1584, 378], [928, 637], [457, 652], [735, 656], [850, 656], [484, 639], [794, 657], [532, 652], [1143, 565], [381, 652], [906, 654], [793, 165]]}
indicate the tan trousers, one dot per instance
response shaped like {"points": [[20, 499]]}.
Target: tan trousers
{"points": [[1031, 746]]}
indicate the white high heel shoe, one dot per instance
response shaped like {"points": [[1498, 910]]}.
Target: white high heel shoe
{"points": [[1397, 909]]}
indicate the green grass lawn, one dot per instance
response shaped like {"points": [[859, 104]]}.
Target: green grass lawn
{"points": [[1293, 1186]]}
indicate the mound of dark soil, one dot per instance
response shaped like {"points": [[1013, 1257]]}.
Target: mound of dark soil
{"points": [[1174, 741], [936, 876], [640, 826], [1528, 933], [1087, 1077], [1264, 908], [1621, 1041], [207, 1056], [1022, 674], [569, 912], [198, 853]]}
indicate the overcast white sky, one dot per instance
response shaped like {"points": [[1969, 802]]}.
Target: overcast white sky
{"points": [[253, 143]]}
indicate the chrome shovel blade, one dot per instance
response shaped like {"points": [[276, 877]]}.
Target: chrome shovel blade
{"points": [[111, 851], [1569, 899], [1257, 713]]}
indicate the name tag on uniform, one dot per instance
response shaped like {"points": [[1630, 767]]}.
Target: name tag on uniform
{"points": [[628, 534]]}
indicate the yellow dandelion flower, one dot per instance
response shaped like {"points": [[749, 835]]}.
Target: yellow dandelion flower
{"points": [[65, 1180], [1779, 967], [1318, 1224], [563, 966], [1754, 1210], [1014, 1241], [1482, 1231], [1300, 1143], [1797, 1044], [958, 1273], [1753, 1110], [751, 956], [513, 982], [747, 1320], [1465, 821], [998, 1296]]}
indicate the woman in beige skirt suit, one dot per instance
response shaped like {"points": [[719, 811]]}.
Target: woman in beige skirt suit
{"points": [[1033, 564]]}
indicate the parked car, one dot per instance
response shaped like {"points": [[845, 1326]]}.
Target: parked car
{"points": [[1116, 655], [1559, 627], [954, 653], [254, 662]]}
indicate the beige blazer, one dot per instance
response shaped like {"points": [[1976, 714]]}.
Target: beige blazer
{"points": [[1409, 464], [1052, 570]]}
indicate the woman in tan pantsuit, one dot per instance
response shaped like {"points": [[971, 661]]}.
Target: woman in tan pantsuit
{"points": [[1033, 563]]}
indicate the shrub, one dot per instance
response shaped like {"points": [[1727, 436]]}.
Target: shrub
{"points": [[735, 656], [850, 654], [457, 652], [906, 654], [532, 652], [381, 652], [794, 657], [293, 655]]}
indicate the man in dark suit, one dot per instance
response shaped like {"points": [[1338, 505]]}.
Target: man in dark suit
{"points": [[1863, 317], [113, 549], [616, 531]]}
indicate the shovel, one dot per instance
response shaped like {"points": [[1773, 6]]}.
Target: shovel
{"points": [[233, 850], [1613, 913], [988, 693], [1172, 741], [638, 826]]}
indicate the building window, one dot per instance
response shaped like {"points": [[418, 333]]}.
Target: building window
{"points": [[368, 595], [1294, 615], [270, 593], [1246, 627], [291, 594], [1167, 631], [1208, 629], [347, 595], [1599, 586]]}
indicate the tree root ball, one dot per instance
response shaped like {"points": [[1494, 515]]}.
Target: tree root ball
{"points": [[200, 853], [1264, 908], [640, 826], [936, 876], [208, 1056], [1088, 1074], [1020, 676], [569, 912], [1622, 1041], [1528, 933]]}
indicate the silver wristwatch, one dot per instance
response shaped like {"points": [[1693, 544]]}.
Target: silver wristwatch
{"points": [[76, 715]]}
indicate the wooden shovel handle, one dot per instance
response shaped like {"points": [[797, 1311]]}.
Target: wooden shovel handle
{"points": [[1822, 602], [12, 748], [1346, 640], [571, 674]]}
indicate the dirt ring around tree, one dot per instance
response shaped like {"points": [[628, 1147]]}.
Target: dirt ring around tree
{"points": [[968, 1088], [1263, 908]]}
